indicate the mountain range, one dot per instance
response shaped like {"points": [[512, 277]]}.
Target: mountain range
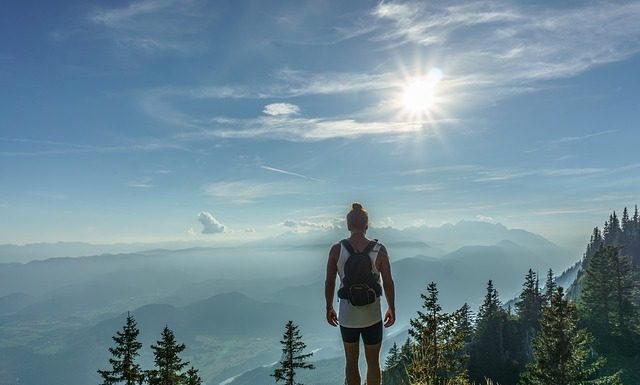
{"points": [[229, 304]]}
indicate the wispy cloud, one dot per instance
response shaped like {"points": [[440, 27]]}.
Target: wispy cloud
{"points": [[557, 142], [418, 187], [285, 83], [47, 195], [281, 171], [507, 45], [141, 183], [509, 174], [304, 129], [564, 211], [152, 26], [41, 147], [305, 225], [244, 191], [440, 169]]}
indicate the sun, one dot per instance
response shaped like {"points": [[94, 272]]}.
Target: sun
{"points": [[419, 93]]}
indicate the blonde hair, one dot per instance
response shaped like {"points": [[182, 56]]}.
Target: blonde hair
{"points": [[357, 218]]}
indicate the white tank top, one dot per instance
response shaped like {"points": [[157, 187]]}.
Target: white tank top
{"points": [[351, 316]]}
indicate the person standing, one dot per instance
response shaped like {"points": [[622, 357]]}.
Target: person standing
{"points": [[364, 270]]}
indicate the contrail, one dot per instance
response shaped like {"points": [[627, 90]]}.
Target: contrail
{"points": [[289, 173]]}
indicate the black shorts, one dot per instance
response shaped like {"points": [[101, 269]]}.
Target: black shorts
{"points": [[371, 335]]}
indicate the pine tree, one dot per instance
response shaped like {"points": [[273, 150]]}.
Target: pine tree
{"points": [[562, 350], [464, 322], [192, 377], [168, 363], [437, 353], [491, 304], [393, 357], [396, 373], [624, 290], [607, 301], [529, 304], [595, 300], [123, 366], [625, 220], [549, 287], [612, 232], [292, 358], [496, 351]]}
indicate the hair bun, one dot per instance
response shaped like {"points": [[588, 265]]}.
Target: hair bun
{"points": [[356, 206]]}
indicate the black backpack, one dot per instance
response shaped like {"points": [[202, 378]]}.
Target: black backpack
{"points": [[359, 285]]}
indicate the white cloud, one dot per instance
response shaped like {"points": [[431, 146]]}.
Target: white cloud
{"points": [[509, 174], [116, 16], [484, 218], [141, 183], [210, 225], [488, 51], [426, 187], [418, 223], [311, 129], [243, 191], [151, 26], [281, 171], [564, 211], [555, 143], [275, 109], [305, 226], [510, 46], [384, 222]]}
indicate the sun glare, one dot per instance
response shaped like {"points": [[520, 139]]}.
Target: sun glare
{"points": [[419, 93]]}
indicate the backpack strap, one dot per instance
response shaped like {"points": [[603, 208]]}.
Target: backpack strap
{"points": [[348, 246], [366, 250], [370, 246]]}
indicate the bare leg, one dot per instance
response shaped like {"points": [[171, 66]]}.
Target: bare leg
{"points": [[352, 371], [372, 354]]}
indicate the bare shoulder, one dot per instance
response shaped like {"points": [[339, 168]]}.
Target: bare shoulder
{"points": [[383, 251], [382, 258], [334, 252]]}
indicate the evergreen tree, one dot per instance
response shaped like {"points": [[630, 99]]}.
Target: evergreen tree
{"points": [[496, 351], [529, 304], [393, 357], [491, 304], [607, 303], [624, 290], [396, 373], [562, 350], [168, 363], [625, 220], [123, 366], [549, 287], [595, 299], [612, 231], [437, 353], [292, 356], [192, 377], [529, 307], [463, 321]]}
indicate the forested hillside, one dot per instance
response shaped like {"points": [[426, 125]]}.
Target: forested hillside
{"points": [[591, 335]]}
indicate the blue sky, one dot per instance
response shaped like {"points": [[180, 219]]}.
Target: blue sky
{"points": [[224, 120]]}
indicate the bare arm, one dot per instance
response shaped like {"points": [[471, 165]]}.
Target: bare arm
{"points": [[330, 284], [388, 285]]}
